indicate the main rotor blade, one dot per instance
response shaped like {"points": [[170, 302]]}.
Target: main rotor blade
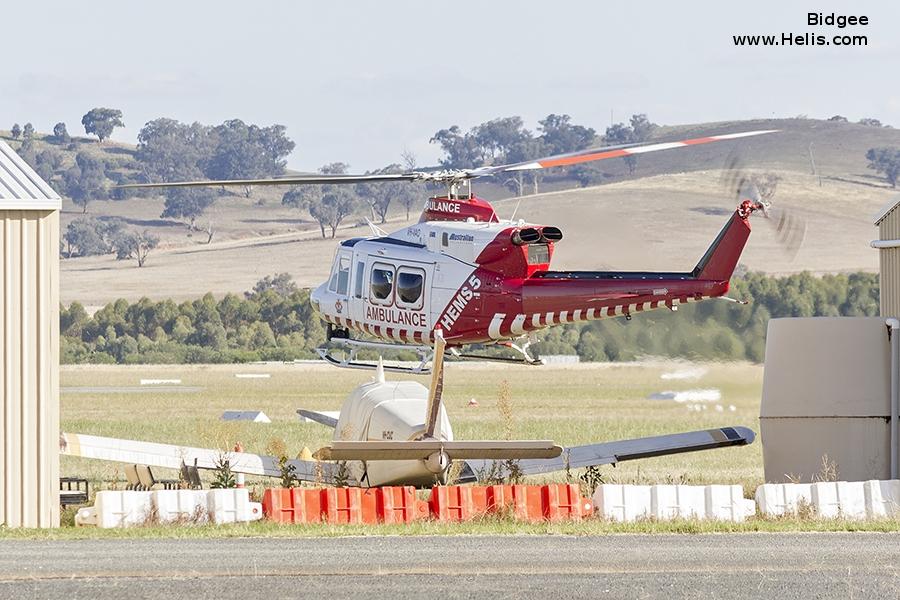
{"points": [[604, 152], [453, 176], [298, 180]]}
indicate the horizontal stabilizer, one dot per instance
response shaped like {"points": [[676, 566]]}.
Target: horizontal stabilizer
{"points": [[171, 457], [320, 418], [612, 452], [456, 450]]}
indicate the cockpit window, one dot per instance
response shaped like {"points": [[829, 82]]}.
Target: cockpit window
{"points": [[340, 278], [360, 269], [382, 283], [409, 287]]}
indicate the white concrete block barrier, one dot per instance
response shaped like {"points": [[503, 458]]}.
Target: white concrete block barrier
{"points": [[186, 506], [114, 508], [831, 499], [232, 506], [628, 503]]}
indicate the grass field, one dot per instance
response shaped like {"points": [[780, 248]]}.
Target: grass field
{"points": [[573, 405]]}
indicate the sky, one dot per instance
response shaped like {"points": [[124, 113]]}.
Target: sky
{"points": [[361, 82]]}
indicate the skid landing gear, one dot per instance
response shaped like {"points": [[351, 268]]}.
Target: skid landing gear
{"points": [[526, 358], [340, 338], [351, 347]]}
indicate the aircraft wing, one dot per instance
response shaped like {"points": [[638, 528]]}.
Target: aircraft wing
{"points": [[606, 453], [171, 456], [321, 418]]}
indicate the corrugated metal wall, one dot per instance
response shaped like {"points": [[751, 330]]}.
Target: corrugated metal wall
{"points": [[29, 357], [889, 259]]}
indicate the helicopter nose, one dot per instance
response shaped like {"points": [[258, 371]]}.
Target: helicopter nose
{"points": [[315, 299]]}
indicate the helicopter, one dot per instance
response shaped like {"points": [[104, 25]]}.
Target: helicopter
{"points": [[486, 280]]}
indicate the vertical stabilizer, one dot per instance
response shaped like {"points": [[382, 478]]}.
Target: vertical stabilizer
{"points": [[722, 256]]}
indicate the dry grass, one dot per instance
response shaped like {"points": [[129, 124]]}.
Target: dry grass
{"points": [[493, 525]]}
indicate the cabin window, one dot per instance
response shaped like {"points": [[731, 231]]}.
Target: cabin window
{"points": [[410, 284], [538, 254], [445, 239], [340, 278], [360, 271], [382, 284]]}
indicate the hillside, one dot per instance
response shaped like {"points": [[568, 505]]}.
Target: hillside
{"points": [[662, 217]]}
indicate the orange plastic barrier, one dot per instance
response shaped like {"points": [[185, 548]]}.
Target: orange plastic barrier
{"points": [[553, 502], [349, 505], [399, 505], [293, 505], [562, 502], [458, 502], [524, 502]]}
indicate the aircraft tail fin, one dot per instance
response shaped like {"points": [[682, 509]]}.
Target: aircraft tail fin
{"points": [[720, 260]]}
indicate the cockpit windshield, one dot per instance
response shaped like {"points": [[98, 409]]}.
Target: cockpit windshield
{"points": [[340, 274]]}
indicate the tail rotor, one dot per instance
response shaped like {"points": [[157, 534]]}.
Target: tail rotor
{"points": [[760, 188]]}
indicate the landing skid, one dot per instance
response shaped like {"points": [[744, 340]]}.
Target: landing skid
{"points": [[526, 359], [352, 347], [425, 354]]}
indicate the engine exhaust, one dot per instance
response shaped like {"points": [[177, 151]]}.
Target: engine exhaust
{"points": [[528, 235], [551, 234]]}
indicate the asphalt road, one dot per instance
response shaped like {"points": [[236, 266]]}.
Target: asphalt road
{"points": [[838, 565]]}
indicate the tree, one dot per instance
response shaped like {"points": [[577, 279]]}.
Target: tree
{"points": [[638, 130], [28, 132], [495, 137], [248, 152], [641, 128], [336, 203], [461, 149], [282, 284], [869, 122], [27, 152], [60, 132], [16, 131], [380, 195], [169, 150], [86, 180], [524, 150], [188, 203], [417, 190], [839, 119], [135, 245], [90, 237], [885, 161], [101, 122], [47, 162], [560, 136]]}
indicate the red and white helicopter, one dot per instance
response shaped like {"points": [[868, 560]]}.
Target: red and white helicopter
{"points": [[487, 280]]}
